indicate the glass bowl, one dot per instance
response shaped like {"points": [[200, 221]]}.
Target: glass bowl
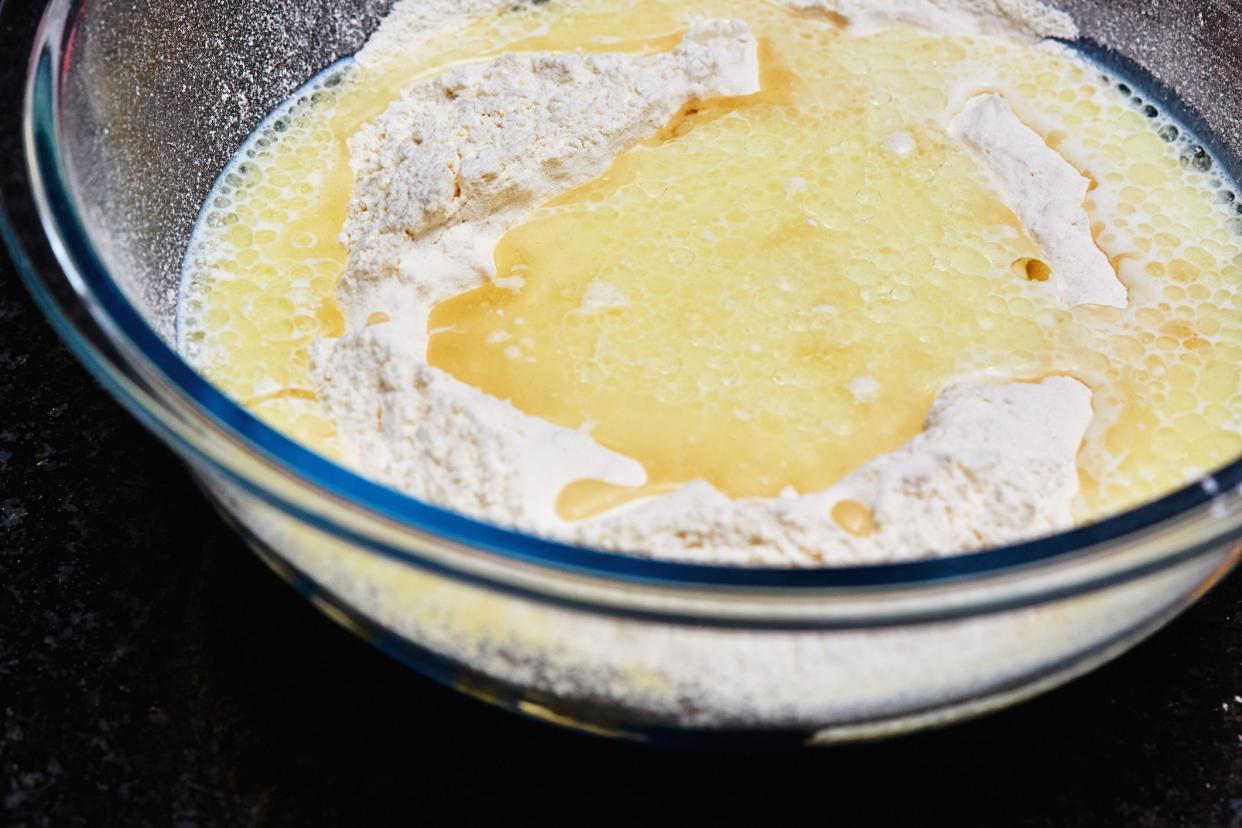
{"points": [[133, 107]]}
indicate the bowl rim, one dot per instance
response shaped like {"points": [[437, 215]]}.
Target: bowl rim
{"points": [[128, 340]]}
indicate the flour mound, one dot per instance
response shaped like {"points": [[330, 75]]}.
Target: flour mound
{"points": [[1047, 193], [440, 177], [460, 160], [1020, 19], [995, 464], [423, 431]]}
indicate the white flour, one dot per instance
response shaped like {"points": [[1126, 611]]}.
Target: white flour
{"points": [[1022, 19], [412, 22], [995, 464], [440, 177], [1046, 193], [446, 171]]}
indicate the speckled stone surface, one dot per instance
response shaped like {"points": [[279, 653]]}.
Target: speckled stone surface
{"points": [[153, 672]]}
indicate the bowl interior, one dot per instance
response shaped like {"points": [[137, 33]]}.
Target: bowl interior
{"points": [[156, 96]]}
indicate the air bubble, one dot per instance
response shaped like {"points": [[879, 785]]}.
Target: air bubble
{"points": [[1150, 111], [1200, 159], [1170, 133]]}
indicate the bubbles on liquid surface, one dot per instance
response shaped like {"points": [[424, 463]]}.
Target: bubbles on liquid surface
{"points": [[261, 275]]}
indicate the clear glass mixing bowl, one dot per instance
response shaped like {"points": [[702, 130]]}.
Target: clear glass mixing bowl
{"points": [[132, 108]]}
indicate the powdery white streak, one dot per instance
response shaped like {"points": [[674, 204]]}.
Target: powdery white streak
{"points": [[412, 22], [440, 177], [601, 296], [1046, 193], [995, 464], [462, 159], [425, 432], [1016, 19]]}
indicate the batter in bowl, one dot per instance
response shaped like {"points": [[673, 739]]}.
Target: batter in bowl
{"points": [[804, 283]]}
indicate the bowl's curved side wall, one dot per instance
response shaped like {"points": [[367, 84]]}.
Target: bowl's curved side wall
{"points": [[156, 98], [157, 95], [625, 676]]}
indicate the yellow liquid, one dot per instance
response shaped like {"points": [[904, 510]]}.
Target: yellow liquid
{"points": [[763, 296]]}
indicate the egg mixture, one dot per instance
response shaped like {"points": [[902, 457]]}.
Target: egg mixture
{"points": [[771, 290]]}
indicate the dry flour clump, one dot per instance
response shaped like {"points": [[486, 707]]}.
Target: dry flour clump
{"points": [[995, 464], [1046, 193], [439, 178], [1022, 19], [413, 22], [460, 160]]}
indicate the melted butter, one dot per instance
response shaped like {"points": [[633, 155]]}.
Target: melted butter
{"points": [[784, 296], [744, 240]]}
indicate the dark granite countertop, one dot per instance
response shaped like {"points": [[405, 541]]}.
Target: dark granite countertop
{"points": [[152, 671]]}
